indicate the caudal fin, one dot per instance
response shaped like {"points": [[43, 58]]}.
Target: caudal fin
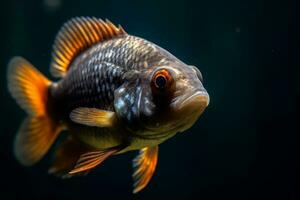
{"points": [[30, 90]]}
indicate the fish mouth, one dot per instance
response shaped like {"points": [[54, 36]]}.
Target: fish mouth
{"points": [[199, 99], [189, 108], [185, 110]]}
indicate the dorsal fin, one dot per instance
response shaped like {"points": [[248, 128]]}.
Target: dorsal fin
{"points": [[75, 36]]}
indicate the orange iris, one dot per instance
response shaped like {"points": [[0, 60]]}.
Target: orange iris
{"points": [[162, 79]]}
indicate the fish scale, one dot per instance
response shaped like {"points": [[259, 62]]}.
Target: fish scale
{"points": [[129, 52], [91, 82], [82, 89]]}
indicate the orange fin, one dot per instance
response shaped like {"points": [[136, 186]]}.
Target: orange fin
{"points": [[34, 139], [75, 36], [38, 132], [91, 159], [93, 117], [27, 86], [66, 156], [144, 165]]}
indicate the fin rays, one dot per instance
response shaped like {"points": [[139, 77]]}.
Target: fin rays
{"points": [[30, 90], [34, 139], [90, 160], [76, 35], [66, 156], [144, 165], [27, 86], [93, 117]]}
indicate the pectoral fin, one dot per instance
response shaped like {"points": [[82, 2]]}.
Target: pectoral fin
{"points": [[144, 165], [91, 159], [93, 117]]}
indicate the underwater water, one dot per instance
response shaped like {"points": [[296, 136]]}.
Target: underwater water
{"points": [[244, 146]]}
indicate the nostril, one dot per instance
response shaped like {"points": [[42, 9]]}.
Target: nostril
{"points": [[199, 74]]}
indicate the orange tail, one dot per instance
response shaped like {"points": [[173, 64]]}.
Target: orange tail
{"points": [[37, 132]]}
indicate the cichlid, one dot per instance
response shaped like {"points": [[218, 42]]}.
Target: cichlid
{"points": [[116, 93]]}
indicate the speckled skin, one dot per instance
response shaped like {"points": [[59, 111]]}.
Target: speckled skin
{"points": [[92, 81]]}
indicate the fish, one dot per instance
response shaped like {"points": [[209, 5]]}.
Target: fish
{"points": [[113, 93]]}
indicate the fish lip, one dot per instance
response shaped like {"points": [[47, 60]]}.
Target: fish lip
{"points": [[199, 96], [188, 108]]}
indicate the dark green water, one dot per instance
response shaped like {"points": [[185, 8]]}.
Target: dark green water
{"points": [[245, 146]]}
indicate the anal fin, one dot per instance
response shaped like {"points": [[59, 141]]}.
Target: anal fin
{"points": [[66, 156], [90, 160]]}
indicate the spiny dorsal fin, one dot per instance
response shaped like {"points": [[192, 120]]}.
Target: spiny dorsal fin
{"points": [[77, 35]]}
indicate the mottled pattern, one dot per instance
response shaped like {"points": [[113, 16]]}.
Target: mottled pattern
{"points": [[133, 102]]}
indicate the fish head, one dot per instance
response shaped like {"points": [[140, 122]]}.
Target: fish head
{"points": [[179, 96], [162, 100]]}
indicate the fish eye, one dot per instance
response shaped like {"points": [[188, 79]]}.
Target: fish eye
{"points": [[162, 79], [199, 74]]}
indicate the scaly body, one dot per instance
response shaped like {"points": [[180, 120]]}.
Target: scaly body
{"points": [[91, 81], [117, 93]]}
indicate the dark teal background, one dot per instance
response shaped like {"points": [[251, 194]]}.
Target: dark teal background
{"points": [[245, 145]]}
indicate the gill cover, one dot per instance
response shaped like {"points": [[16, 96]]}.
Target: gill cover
{"points": [[133, 99]]}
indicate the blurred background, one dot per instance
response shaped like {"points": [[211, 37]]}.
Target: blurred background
{"points": [[245, 145]]}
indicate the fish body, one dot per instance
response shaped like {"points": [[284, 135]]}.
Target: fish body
{"points": [[93, 78], [116, 93]]}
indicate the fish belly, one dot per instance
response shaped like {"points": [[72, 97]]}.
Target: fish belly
{"points": [[98, 138]]}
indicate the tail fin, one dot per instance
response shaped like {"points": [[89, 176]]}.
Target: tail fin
{"points": [[37, 132]]}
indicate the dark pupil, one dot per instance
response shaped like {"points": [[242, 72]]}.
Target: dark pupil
{"points": [[160, 81]]}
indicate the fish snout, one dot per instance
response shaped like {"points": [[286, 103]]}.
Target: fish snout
{"points": [[192, 104]]}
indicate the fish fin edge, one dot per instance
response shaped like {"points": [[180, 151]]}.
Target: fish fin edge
{"points": [[28, 86], [90, 160], [144, 166], [93, 117], [34, 138], [75, 36], [38, 131], [66, 156]]}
